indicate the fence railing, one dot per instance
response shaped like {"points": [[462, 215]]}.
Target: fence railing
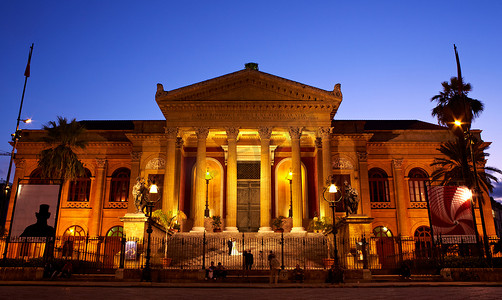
{"points": [[189, 251]]}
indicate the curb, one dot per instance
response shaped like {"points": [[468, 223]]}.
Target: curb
{"points": [[249, 285]]}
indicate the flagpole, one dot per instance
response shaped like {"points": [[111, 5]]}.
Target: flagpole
{"points": [[16, 135]]}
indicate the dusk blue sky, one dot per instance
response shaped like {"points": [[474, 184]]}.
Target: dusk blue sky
{"points": [[101, 60]]}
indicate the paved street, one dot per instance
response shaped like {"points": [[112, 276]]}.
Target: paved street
{"points": [[109, 293]]}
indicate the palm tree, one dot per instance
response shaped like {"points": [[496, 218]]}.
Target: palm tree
{"points": [[454, 104], [60, 161], [453, 170]]}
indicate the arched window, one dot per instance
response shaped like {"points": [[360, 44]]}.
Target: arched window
{"points": [[80, 188], [379, 185], [73, 241], [120, 185], [416, 182], [74, 231], [116, 231], [382, 231], [423, 242]]}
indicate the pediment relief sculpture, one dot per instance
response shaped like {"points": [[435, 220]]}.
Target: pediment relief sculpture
{"points": [[157, 163]]}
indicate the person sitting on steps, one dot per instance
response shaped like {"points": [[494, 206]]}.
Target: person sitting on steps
{"points": [[220, 272], [298, 274]]}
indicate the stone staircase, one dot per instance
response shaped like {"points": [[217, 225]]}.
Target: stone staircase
{"points": [[308, 250]]}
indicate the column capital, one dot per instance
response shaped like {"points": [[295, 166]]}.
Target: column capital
{"points": [[362, 156], [295, 132], [202, 132], [265, 132], [100, 163], [171, 132], [397, 163], [325, 132], [232, 133], [179, 142], [20, 163], [318, 143], [136, 155]]}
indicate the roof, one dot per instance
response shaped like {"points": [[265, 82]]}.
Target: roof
{"points": [[375, 125]]}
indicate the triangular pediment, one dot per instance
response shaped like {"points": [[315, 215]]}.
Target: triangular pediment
{"points": [[248, 85], [249, 98]]}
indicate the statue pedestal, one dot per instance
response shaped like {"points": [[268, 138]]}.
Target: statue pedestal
{"points": [[351, 230], [355, 226], [134, 225]]}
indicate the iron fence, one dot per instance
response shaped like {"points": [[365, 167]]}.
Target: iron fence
{"points": [[189, 251]]}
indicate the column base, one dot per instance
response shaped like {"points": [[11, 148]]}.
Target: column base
{"points": [[231, 229], [197, 230], [298, 230], [265, 230]]}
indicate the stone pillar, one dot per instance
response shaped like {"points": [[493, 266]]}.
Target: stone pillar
{"points": [[168, 201], [231, 218], [325, 133], [177, 173], [320, 175], [135, 173], [97, 203], [364, 196], [265, 180], [401, 203], [296, 168], [200, 181]]}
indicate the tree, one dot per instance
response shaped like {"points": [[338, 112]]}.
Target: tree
{"points": [[454, 104], [453, 170], [60, 161], [168, 221]]}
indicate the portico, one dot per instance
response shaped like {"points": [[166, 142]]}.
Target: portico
{"points": [[245, 122]]}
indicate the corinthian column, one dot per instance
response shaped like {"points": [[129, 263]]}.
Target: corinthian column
{"points": [[325, 133], [168, 200], [364, 197], [231, 219], [97, 203], [200, 181], [296, 168], [401, 203], [265, 179]]}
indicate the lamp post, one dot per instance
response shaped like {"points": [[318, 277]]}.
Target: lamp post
{"points": [[209, 176], [477, 193], [332, 189], [289, 177], [147, 271]]}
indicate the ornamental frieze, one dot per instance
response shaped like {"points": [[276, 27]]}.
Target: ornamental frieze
{"points": [[157, 163], [341, 163]]}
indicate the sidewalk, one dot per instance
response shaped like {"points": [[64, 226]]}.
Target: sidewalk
{"points": [[124, 284]]}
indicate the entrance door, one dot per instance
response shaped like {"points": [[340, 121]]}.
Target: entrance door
{"points": [[248, 205]]}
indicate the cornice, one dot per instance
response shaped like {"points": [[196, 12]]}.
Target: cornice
{"points": [[146, 136], [348, 137], [403, 144], [266, 105]]}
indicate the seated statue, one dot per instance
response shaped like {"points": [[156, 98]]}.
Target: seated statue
{"points": [[139, 192], [351, 199]]}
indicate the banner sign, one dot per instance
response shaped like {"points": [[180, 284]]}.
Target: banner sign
{"points": [[451, 215], [35, 211]]}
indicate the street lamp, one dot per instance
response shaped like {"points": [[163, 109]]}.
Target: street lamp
{"points": [[332, 190], [477, 192], [209, 176], [289, 177], [147, 271]]}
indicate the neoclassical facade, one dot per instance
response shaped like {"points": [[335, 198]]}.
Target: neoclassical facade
{"points": [[249, 130]]}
